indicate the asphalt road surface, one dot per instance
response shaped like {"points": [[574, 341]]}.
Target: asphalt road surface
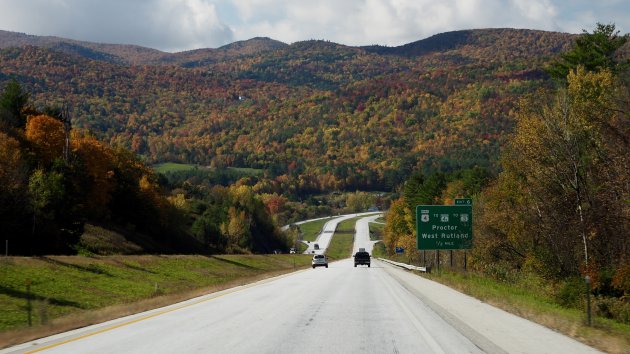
{"points": [[362, 235], [340, 309]]}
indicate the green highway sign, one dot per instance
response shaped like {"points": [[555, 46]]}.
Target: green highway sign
{"points": [[463, 201], [444, 227]]}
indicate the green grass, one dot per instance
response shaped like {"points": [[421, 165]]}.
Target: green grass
{"points": [[310, 230], [65, 285], [347, 226], [341, 245], [301, 247], [376, 231], [379, 250], [172, 167], [167, 167], [248, 171]]}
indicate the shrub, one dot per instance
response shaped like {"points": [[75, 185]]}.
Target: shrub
{"points": [[570, 292], [613, 308]]}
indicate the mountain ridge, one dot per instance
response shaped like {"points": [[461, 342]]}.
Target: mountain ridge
{"points": [[329, 115], [137, 55]]}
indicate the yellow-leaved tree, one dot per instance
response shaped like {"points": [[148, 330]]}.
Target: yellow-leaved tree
{"points": [[560, 204]]}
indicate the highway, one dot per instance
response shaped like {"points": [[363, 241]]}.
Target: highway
{"points": [[324, 237], [340, 309], [362, 234]]}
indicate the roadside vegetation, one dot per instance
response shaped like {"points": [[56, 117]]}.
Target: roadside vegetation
{"points": [[558, 210], [376, 230], [379, 250], [73, 291], [340, 246], [311, 230], [532, 297]]}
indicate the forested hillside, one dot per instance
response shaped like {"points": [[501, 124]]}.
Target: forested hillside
{"points": [[315, 115], [559, 209]]}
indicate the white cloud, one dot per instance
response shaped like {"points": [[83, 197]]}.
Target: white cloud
{"points": [[186, 24], [165, 24], [388, 22]]}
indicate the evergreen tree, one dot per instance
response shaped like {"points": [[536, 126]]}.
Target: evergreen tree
{"points": [[12, 101], [594, 51]]}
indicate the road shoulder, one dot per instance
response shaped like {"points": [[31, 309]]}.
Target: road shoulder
{"points": [[492, 329]]}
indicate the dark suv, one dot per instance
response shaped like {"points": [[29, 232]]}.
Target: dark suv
{"points": [[362, 257]]}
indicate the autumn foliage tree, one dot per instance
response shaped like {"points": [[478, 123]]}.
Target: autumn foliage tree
{"points": [[560, 205], [14, 203], [46, 135], [47, 194]]}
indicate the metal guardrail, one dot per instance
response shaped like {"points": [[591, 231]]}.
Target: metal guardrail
{"points": [[406, 266]]}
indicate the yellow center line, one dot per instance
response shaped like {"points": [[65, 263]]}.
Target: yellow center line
{"points": [[244, 287]]}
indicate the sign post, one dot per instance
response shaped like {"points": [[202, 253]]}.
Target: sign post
{"points": [[444, 227]]}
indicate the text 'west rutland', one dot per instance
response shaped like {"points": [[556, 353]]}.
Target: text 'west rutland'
{"points": [[445, 236]]}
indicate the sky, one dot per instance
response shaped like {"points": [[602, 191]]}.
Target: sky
{"points": [[177, 25]]}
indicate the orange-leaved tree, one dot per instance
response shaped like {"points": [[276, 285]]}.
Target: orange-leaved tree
{"points": [[47, 137], [97, 159]]}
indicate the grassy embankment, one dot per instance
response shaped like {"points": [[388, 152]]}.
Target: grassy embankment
{"points": [[340, 246], [528, 296], [74, 291], [310, 230], [376, 231]]}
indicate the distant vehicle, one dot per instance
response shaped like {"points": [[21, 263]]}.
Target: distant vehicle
{"points": [[362, 258], [292, 250], [316, 246], [319, 260]]}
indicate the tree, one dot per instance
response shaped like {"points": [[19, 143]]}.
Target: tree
{"points": [[47, 136], [565, 166], [398, 225], [237, 228], [421, 190], [56, 228], [12, 102], [360, 201], [97, 159], [14, 202], [594, 51]]}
